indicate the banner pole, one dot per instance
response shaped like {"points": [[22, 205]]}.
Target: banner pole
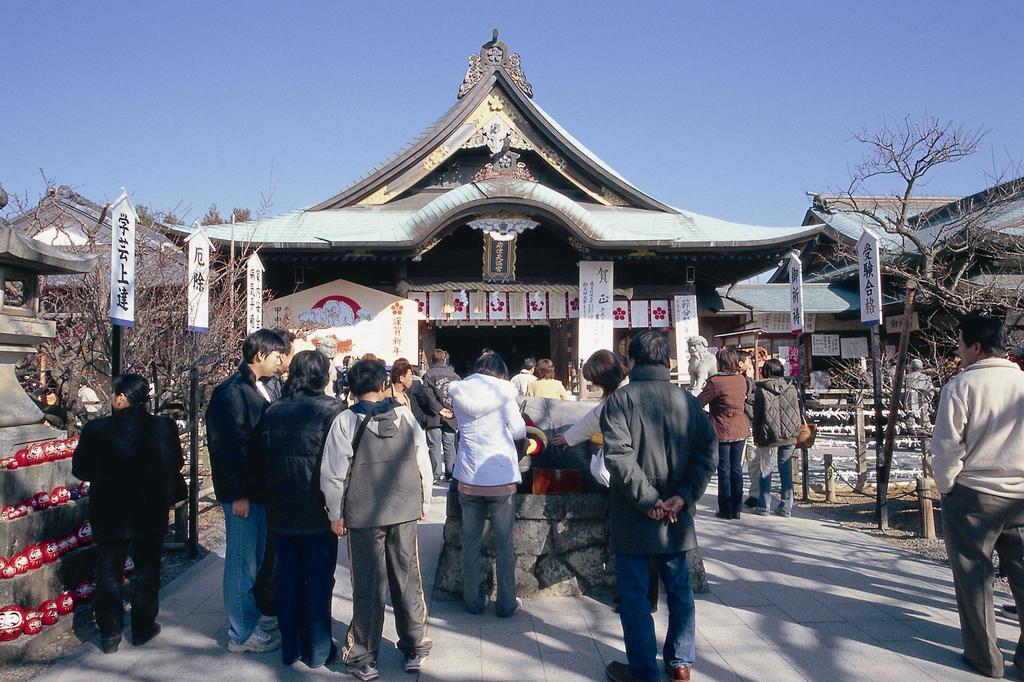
{"points": [[193, 463]]}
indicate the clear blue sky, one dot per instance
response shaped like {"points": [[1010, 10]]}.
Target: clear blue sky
{"points": [[732, 109]]}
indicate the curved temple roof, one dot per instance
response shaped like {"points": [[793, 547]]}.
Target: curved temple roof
{"points": [[388, 209]]}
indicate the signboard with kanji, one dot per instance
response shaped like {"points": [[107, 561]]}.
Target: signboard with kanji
{"points": [[796, 295], [870, 269], [685, 318], [198, 249], [825, 345], [253, 294], [123, 221], [595, 307]]}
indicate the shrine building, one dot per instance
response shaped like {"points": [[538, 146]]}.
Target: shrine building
{"points": [[484, 231]]}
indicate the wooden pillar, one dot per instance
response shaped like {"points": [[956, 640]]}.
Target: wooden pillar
{"points": [[924, 507], [830, 480], [860, 439], [561, 348]]}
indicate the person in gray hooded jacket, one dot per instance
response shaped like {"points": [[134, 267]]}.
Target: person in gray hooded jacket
{"points": [[777, 422], [376, 479]]}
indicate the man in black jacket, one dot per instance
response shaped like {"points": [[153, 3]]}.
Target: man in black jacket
{"points": [[441, 425], [235, 408], [132, 461], [660, 449]]}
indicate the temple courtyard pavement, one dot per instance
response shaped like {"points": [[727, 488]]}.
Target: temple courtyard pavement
{"points": [[791, 599]]}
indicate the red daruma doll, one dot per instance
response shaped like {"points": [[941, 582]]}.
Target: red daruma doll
{"points": [[12, 621]]}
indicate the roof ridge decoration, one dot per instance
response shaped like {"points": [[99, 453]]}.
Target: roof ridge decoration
{"points": [[495, 55]]}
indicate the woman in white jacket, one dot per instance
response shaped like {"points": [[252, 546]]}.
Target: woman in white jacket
{"points": [[487, 469]]}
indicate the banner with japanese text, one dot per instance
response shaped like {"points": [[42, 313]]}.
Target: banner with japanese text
{"points": [[870, 270], [595, 308], [685, 318], [796, 295], [123, 222], [199, 246], [253, 294]]}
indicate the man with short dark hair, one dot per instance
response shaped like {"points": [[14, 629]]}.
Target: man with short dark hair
{"points": [[527, 375], [376, 480], [978, 462], [441, 425], [236, 406], [660, 449]]}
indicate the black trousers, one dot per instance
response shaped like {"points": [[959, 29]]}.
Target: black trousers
{"points": [[108, 606], [264, 590]]}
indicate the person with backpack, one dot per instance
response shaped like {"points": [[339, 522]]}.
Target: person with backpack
{"points": [[376, 479], [776, 425], [442, 427]]}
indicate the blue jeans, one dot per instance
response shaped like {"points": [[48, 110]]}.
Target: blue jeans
{"points": [[635, 613], [730, 477], [785, 454], [441, 443], [502, 510], [305, 585], [246, 542]]}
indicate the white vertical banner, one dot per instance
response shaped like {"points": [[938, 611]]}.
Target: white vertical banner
{"points": [[620, 313], [659, 314], [538, 305], [639, 314], [199, 246], [870, 269], [796, 294], [685, 318], [253, 293], [595, 308], [123, 221]]}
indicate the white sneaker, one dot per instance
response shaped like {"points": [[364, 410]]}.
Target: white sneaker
{"points": [[366, 672], [414, 663], [267, 623], [260, 641]]}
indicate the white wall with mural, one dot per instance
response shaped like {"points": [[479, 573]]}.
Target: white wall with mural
{"points": [[361, 320]]}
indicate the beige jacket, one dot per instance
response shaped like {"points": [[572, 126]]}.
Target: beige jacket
{"points": [[978, 440]]}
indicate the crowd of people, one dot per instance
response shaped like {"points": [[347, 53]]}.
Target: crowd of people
{"points": [[296, 469]]}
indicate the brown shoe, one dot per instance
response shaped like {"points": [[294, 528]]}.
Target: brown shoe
{"points": [[619, 672], [679, 674]]}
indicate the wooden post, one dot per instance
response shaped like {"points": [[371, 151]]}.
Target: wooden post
{"points": [[806, 478], [924, 506], [881, 512], [193, 450], [116, 352], [830, 480], [895, 401], [861, 445]]}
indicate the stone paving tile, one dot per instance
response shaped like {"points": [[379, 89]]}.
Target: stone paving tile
{"points": [[792, 599]]}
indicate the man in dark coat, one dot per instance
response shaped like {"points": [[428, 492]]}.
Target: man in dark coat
{"points": [[660, 449], [236, 406], [132, 461], [441, 425]]}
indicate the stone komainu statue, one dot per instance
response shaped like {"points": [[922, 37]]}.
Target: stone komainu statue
{"points": [[702, 363]]}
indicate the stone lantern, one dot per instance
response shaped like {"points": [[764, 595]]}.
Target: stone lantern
{"points": [[37, 530]]}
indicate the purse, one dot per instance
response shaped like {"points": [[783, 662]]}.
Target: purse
{"points": [[805, 439]]}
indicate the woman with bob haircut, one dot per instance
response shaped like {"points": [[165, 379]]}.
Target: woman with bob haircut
{"points": [[726, 394], [546, 385], [487, 469], [288, 446], [607, 371], [133, 461]]}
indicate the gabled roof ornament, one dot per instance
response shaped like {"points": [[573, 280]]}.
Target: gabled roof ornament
{"points": [[495, 55]]}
